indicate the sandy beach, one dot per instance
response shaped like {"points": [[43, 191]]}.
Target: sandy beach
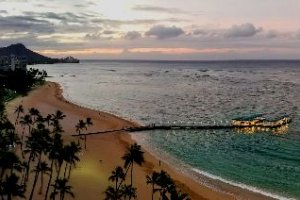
{"points": [[104, 151]]}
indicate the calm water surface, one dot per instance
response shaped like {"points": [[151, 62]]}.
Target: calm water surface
{"points": [[201, 93]]}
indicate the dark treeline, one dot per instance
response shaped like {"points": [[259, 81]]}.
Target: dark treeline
{"points": [[20, 82], [38, 150]]}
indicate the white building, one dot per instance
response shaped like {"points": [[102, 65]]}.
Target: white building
{"points": [[12, 63]]}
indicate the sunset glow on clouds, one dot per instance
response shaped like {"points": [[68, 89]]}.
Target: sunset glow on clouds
{"points": [[152, 29]]}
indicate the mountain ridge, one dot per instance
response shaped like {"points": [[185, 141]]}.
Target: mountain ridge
{"points": [[20, 50]]}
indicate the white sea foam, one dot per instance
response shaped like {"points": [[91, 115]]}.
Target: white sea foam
{"points": [[241, 185], [190, 171]]}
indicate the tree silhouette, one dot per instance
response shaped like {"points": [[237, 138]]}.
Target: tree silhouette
{"points": [[8, 160], [26, 120], [19, 109], [133, 154], [10, 187], [42, 169], [153, 180], [116, 175], [71, 156], [41, 143], [128, 191], [112, 194], [54, 155], [62, 188]]}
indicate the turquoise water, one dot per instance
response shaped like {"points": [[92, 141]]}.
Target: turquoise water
{"points": [[202, 93]]}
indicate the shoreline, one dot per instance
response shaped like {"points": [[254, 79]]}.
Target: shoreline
{"points": [[115, 144]]}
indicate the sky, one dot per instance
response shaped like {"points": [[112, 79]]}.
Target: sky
{"points": [[154, 29]]}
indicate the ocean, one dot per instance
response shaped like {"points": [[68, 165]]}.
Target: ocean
{"points": [[200, 93]]}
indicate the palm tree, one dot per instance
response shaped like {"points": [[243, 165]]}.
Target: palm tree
{"points": [[128, 191], [88, 123], [152, 179], [178, 195], [70, 156], [133, 154], [80, 126], [165, 183], [112, 194], [37, 172], [10, 187], [48, 119], [41, 141], [33, 149], [116, 175], [54, 155], [35, 113], [8, 160], [19, 109], [43, 169], [61, 186], [26, 120], [38, 143], [58, 115]]}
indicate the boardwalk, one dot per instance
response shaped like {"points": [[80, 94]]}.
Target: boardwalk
{"points": [[174, 127]]}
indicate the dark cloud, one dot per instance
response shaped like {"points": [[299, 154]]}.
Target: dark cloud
{"points": [[109, 32], [93, 36], [148, 8], [103, 36], [63, 17], [132, 35], [272, 34], [3, 12], [164, 32], [80, 5], [200, 32], [298, 34], [243, 30], [25, 24]]}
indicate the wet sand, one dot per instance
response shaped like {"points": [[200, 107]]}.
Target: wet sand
{"points": [[104, 151]]}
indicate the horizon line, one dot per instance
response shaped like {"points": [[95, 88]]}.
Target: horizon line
{"points": [[187, 60]]}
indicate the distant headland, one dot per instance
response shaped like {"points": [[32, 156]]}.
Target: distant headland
{"points": [[20, 52]]}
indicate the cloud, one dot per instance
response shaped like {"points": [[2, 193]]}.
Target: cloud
{"points": [[243, 30], [93, 36], [298, 34], [117, 23], [272, 34], [25, 24], [80, 5], [77, 52], [132, 35], [200, 32], [164, 32], [63, 17], [108, 32], [3, 12], [148, 8]]}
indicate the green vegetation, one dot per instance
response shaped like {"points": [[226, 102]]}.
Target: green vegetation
{"points": [[13, 83]]}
